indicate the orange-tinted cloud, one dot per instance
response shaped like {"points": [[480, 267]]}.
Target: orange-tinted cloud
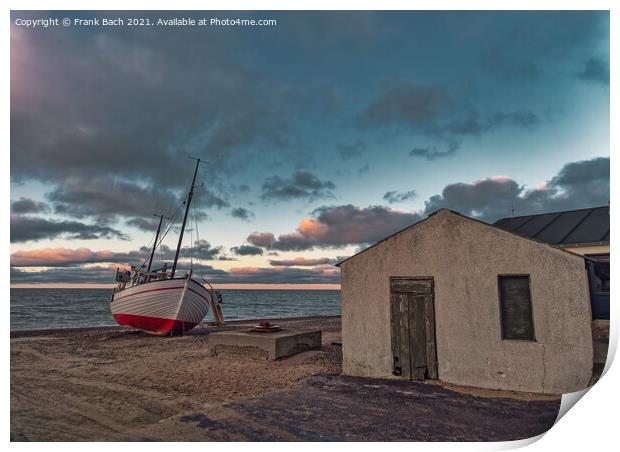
{"points": [[339, 226], [312, 228], [62, 257], [65, 257]]}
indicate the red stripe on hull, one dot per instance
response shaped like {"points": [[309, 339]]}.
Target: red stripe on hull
{"points": [[154, 324]]}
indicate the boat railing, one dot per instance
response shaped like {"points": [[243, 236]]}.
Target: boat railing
{"points": [[135, 277]]}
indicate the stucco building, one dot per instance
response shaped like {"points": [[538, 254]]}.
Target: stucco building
{"points": [[585, 232], [468, 303]]}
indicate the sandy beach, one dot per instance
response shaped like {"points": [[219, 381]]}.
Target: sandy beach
{"points": [[116, 385], [107, 383]]}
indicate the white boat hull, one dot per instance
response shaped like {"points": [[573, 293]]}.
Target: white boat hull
{"points": [[170, 306]]}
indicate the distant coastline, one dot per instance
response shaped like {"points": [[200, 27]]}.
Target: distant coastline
{"points": [[217, 286]]}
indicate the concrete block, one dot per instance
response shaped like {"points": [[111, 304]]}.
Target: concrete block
{"points": [[268, 346]]}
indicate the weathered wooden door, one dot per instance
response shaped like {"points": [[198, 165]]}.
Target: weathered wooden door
{"points": [[413, 328]]}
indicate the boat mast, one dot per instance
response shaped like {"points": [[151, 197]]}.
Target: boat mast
{"points": [[189, 200], [161, 218]]}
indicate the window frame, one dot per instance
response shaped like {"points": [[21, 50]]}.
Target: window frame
{"points": [[596, 259], [501, 310], [599, 301]]}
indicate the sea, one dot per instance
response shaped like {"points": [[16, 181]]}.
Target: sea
{"points": [[33, 309]]}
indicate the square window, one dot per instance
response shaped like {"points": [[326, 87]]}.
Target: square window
{"points": [[516, 307]]}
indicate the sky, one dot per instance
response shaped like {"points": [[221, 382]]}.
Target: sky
{"points": [[322, 134]]}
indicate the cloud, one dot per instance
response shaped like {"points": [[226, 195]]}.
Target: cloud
{"points": [[364, 169], [101, 274], [301, 185], [201, 270], [430, 111], [472, 123], [133, 105], [523, 118], [25, 228], [242, 213], [529, 44], [88, 275], [339, 226], [433, 152], [106, 198], [303, 262], [394, 196], [284, 275], [27, 205], [207, 198], [67, 257], [351, 150], [262, 239], [144, 224], [485, 199], [202, 249], [577, 185], [97, 274], [247, 250], [407, 104], [595, 70], [500, 64]]}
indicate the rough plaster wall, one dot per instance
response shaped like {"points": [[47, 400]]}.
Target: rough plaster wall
{"points": [[465, 257]]}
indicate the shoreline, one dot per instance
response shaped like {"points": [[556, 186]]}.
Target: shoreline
{"points": [[318, 287], [118, 328]]}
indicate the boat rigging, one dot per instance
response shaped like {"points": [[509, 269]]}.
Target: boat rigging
{"points": [[159, 303]]}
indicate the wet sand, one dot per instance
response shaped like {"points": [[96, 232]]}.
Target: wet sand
{"points": [[110, 384]]}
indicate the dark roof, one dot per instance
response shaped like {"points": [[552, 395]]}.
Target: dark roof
{"points": [[573, 227]]}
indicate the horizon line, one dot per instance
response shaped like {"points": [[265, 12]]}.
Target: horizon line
{"points": [[256, 286]]}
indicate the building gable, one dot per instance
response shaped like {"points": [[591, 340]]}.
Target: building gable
{"points": [[442, 212]]}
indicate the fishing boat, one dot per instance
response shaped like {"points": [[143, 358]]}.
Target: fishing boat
{"points": [[158, 301]]}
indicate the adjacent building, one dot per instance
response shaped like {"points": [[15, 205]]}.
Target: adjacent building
{"points": [[583, 231], [468, 303]]}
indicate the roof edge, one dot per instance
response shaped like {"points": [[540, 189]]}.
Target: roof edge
{"points": [[498, 228], [584, 244]]}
